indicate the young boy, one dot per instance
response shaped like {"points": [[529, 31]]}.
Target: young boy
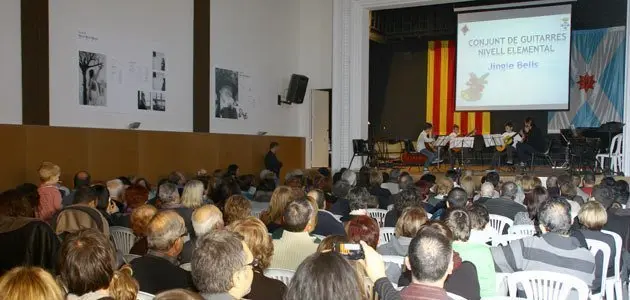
{"points": [[49, 194], [511, 149], [426, 137]]}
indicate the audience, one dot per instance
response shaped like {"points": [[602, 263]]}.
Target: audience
{"points": [[532, 202], [363, 228], [178, 294], [140, 218], [383, 195], [81, 214], [204, 219], [81, 178], [358, 198], [169, 200], [49, 194], [588, 182], [159, 269], [237, 207], [259, 242], [327, 223], [193, 194], [618, 219], [505, 205], [116, 190], [31, 283], [295, 244], [407, 197], [392, 184], [280, 198], [480, 230], [406, 228], [222, 266]]}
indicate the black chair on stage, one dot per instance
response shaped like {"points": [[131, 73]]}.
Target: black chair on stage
{"points": [[544, 155]]}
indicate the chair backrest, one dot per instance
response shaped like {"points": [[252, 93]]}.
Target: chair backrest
{"points": [[499, 222], [429, 216], [596, 246], [123, 238], [378, 215], [618, 244], [522, 229], [280, 274], [505, 239], [544, 285], [185, 266], [145, 296], [386, 234], [318, 236], [615, 144], [454, 296], [395, 259], [130, 257], [337, 217], [256, 213], [390, 207]]}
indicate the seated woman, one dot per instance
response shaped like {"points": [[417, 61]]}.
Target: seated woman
{"points": [[532, 201], [140, 219], [593, 217], [29, 283], [280, 198], [480, 230]]}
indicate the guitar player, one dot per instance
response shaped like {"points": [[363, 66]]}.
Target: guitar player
{"points": [[533, 141], [510, 138], [425, 139]]}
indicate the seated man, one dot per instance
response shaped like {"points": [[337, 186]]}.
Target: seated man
{"points": [[426, 137], [505, 205], [327, 224], [555, 250], [533, 142], [204, 219], [222, 266], [159, 270], [430, 260], [81, 214], [295, 244]]}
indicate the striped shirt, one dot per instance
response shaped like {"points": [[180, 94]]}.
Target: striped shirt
{"points": [[551, 252]]}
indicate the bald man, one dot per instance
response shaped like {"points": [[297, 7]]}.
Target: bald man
{"points": [[81, 178], [204, 219]]}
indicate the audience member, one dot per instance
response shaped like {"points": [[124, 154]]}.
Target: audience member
{"points": [[27, 241], [588, 182], [406, 198], [468, 184], [81, 178], [568, 192], [456, 199], [350, 177], [31, 283], [158, 270], [375, 189], [363, 228], [266, 187], [49, 194], [104, 205], [504, 205], [340, 191], [618, 219], [193, 194], [222, 266], [593, 217], [135, 196], [259, 242], [556, 250], [247, 184], [486, 192], [81, 214], [237, 207], [357, 202], [479, 254], [577, 182], [295, 244], [392, 183], [204, 219], [480, 230], [327, 224], [178, 294], [533, 200], [272, 217], [116, 190], [443, 186], [170, 200], [140, 218]]}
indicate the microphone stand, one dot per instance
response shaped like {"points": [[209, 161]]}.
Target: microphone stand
{"points": [[567, 154]]}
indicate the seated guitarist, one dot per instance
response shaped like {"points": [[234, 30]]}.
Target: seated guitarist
{"points": [[533, 141], [510, 138], [426, 138]]}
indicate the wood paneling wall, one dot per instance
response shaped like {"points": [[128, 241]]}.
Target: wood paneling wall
{"points": [[108, 153]]}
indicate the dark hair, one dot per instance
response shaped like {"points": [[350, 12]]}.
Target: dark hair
{"points": [[554, 215], [297, 214], [428, 126], [479, 216], [81, 178], [325, 275], [508, 123], [430, 254], [494, 178], [533, 200], [217, 256], [246, 181], [226, 188], [102, 194], [424, 189], [429, 178], [29, 191], [385, 176], [84, 194], [589, 178], [459, 223], [273, 145], [231, 170], [125, 180], [363, 228], [455, 126], [405, 181], [604, 195], [15, 204], [452, 174], [529, 120], [407, 198], [86, 261], [622, 189], [457, 198], [136, 195], [358, 198]]}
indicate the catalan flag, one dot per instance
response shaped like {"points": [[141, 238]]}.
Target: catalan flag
{"points": [[441, 94]]}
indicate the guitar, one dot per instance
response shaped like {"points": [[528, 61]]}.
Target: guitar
{"points": [[507, 142], [429, 145], [471, 133]]}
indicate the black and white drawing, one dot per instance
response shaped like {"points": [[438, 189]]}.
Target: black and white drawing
{"points": [[159, 61], [158, 101], [159, 81], [144, 103], [92, 79], [226, 102]]}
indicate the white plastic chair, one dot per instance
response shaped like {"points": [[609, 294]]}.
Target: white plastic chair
{"points": [[256, 213], [386, 234], [454, 296], [318, 236], [394, 259], [123, 238], [501, 282], [144, 296], [501, 297], [429, 216], [499, 222], [506, 239], [378, 214], [613, 284], [185, 266], [338, 218], [614, 154], [522, 229], [390, 207], [544, 285], [596, 246], [130, 257], [280, 274]]}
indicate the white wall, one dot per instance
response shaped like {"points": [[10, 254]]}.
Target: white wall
{"points": [[127, 32], [10, 62]]}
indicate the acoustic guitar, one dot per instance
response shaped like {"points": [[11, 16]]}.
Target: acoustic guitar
{"points": [[471, 133], [507, 142]]}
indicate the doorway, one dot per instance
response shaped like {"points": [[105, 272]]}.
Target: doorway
{"points": [[320, 128]]}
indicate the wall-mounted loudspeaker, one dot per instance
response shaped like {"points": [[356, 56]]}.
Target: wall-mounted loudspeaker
{"points": [[297, 88]]}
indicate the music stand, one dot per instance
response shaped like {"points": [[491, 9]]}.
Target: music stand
{"points": [[462, 143], [440, 142]]}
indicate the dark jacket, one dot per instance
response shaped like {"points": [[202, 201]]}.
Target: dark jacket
{"points": [[341, 207], [272, 163], [536, 139], [327, 225], [264, 288], [502, 206], [185, 213], [141, 247], [27, 241], [156, 273], [383, 196]]}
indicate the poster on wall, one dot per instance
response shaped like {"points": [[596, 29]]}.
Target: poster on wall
{"points": [[159, 61], [143, 101], [92, 79], [158, 100], [227, 104]]}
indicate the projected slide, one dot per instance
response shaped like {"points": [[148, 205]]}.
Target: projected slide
{"points": [[514, 59]]}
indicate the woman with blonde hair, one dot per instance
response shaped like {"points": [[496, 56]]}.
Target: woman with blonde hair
{"points": [[259, 242], [280, 198], [468, 184], [593, 217], [29, 283], [192, 197], [442, 187]]}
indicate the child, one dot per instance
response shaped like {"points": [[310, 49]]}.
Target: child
{"points": [[49, 195]]}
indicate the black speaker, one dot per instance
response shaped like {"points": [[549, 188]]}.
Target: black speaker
{"points": [[297, 88]]}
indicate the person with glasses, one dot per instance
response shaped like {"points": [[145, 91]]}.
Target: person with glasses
{"points": [[222, 266], [159, 269]]}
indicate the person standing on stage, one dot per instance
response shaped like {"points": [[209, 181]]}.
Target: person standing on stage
{"points": [[426, 137], [533, 141], [511, 146], [271, 160]]}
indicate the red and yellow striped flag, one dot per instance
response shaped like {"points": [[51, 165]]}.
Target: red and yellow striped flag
{"points": [[441, 94]]}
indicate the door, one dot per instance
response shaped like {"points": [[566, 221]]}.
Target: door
{"points": [[320, 118]]}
